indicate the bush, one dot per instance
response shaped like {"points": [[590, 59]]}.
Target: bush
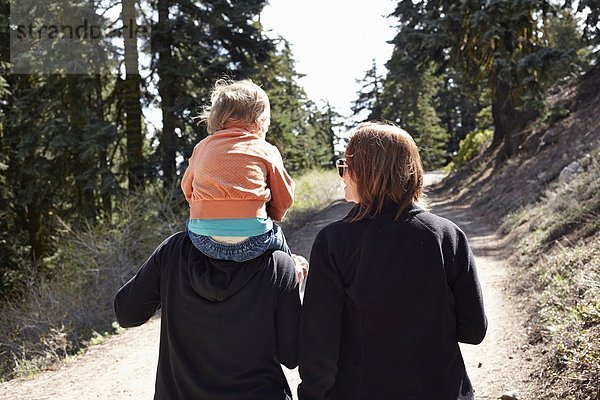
{"points": [[61, 314], [473, 144]]}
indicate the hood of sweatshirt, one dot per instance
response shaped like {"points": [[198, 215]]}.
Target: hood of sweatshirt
{"points": [[217, 280]]}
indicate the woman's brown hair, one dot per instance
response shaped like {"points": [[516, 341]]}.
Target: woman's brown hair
{"points": [[384, 161]]}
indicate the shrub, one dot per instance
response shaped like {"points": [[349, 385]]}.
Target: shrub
{"points": [[59, 315], [473, 144]]}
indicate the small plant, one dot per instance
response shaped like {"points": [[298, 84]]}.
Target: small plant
{"points": [[473, 144], [556, 114]]}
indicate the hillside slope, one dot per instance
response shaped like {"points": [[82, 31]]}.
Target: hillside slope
{"points": [[570, 130], [546, 202]]}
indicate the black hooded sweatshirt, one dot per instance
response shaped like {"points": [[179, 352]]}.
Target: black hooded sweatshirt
{"points": [[386, 303], [225, 326]]}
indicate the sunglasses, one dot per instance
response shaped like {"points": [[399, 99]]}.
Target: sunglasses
{"points": [[341, 166]]}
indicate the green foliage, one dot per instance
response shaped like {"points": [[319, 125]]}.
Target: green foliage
{"points": [[54, 142], [368, 102], [503, 46], [302, 131], [323, 121], [458, 106], [562, 32], [484, 118], [472, 145], [288, 104], [63, 312], [408, 100], [555, 114]]}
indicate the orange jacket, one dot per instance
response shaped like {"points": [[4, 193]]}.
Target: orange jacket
{"points": [[236, 174]]}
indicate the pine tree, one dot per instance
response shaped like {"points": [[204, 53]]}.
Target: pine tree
{"points": [[303, 132], [324, 123], [278, 77], [195, 43], [408, 99], [494, 43], [368, 100], [457, 105], [53, 143]]}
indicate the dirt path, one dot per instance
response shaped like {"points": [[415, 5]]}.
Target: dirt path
{"points": [[502, 362], [123, 367]]}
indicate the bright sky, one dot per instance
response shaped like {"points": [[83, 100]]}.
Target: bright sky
{"points": [[333, 43]]}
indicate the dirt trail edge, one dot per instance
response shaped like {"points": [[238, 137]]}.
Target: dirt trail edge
{"points": [[124, 366]]}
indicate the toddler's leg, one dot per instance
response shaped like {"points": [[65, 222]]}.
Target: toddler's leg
{"points": [[279, 242]]}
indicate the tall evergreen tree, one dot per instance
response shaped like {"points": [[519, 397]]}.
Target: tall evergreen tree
{"points": [[52, 141], [368, 102], [496, 43], [278, 77], [324, 122], [408, 99], [195, 43], [457, 104], [303, 132]]}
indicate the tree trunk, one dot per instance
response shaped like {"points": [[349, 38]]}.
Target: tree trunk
{"points": [[166, 90], [103, 154], [503, 113], [131, 98], [509, 121], [37, 236], [82, 164]]}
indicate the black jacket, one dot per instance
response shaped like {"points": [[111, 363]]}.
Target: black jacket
{"points": [[225, 326], [385, 306]]}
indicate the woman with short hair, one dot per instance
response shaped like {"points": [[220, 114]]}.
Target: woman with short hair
{"points": [[392, 288]]}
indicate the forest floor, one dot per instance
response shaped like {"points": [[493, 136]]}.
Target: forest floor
{"points": [[123, 366]]}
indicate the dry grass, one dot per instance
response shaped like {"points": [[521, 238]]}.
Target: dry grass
{"points": [[558, 242], [315, 190], [59, 316]]}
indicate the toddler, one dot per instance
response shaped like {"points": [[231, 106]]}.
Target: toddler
{"points": [[235, 182]]}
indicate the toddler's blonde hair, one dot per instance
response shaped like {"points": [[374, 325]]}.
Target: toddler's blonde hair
{"points": [[237, 104]]}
